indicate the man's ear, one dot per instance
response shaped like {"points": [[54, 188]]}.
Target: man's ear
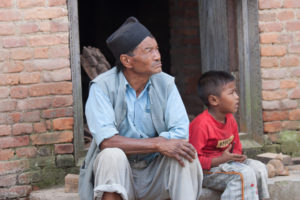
{"points": [[213, 100], [125, 60]]}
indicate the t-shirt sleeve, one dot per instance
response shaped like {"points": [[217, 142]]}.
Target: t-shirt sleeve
{"points": [[238, 145], [198, 138]]}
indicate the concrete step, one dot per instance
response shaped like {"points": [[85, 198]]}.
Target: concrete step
{"points": [[280, 188]]}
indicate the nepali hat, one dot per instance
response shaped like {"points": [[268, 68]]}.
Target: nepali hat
{"points": [[128, 36]]}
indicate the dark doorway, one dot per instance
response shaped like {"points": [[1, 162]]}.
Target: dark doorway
{"points": [[100, 18]]}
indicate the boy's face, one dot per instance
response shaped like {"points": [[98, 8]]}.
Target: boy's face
{"points": [[228, 99]]}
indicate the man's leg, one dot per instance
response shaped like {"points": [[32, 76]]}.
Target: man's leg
{"points": [[113, 175], [237, 180], [261, 173], [165, 178]]}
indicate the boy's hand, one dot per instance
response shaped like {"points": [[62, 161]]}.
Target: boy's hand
{"points": [[233, 156]]}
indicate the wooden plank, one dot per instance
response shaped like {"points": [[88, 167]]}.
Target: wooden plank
{"points": [[76, 79], [213, 35]]}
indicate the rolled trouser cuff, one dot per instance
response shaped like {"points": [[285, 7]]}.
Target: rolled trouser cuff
{"points": [[110, 188]]}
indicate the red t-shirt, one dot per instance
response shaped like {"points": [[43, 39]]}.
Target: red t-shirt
{"points": [[211, 137]]}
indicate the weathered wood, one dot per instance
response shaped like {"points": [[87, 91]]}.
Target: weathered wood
{"points": [[213, 35], [93, 62], [76, 79]]}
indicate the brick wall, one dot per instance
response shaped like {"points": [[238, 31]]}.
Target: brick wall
{"points": [[185, 51], [279, 26], [36, 118]]}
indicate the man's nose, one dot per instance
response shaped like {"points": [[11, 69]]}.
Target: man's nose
{"points": [[156, 54]]}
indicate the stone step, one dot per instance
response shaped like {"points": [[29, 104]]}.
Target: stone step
{"points": [[280, 187]]}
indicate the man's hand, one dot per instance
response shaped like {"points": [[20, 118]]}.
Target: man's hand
{"points": [[178, 149]]}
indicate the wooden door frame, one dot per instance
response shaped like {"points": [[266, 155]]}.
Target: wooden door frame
{"points": [[250, 111], [78, 129]]}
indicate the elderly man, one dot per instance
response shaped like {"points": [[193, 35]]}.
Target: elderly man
{"points": [[140, 127]]}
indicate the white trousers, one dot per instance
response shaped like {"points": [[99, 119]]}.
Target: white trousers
{"points": [[163, 178]]}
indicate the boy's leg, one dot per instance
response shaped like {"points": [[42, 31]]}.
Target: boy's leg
{"points": [[113, 174], [237, 180], [261, 177]]}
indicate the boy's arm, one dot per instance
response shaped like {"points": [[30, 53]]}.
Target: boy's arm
{"points": [[226, 157]]}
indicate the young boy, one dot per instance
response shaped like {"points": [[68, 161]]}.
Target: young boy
{"points": [[214, 134]]}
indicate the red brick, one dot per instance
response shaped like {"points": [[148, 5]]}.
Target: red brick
{"points": [[291, 4], [274, 73], [28, 27], [49, 64], [10, 15], [59, 26], [274, 50], [30, 3], [267, 17], [71, 183], [295, 94], [269, 62], [4, 92], [5, 3], [34, 103], [286, 15], [39, 127], [6, 154], [19, 191], [7, 29], [44, 13], [33, 116], [15, 166], [13, 67], [29, 177], [29, 78], [59, 52], [21, 54], [14, 42], [8, 142], [41, 52], [269, 4], [4, 55], [5, 130], [45, 26], [298, 36], [57, 75], [4, 193], [296, 72], [288, 104], [9, 79], [291, 125], [48, 40], [3, 118], [270, 84], [293, 26], [285, 84], [275, 38], [275, 115], [8, 180], [7, 105], [274, 95], [57, 2], [63, 148], [18, 92], [51, 89], [62, 101], [272, 127], [294, 115], [26, 152], [20, 129], [52, 138], [289, 61], [270, 27], [63, 123], [13, 118], [56, 113], [294, 48]]}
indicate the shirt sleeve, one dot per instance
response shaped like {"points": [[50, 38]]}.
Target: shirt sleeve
{"points": [[176, 117], [238, 145], [100, 115], [198, 138]]}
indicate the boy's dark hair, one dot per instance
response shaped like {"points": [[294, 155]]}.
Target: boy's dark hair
{"points": [[211, 83]]}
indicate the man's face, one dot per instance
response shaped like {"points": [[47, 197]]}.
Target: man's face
{"points": [[146, 59], [229, 99]]}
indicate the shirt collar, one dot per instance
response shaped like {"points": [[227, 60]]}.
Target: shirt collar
{"points": [[128, 85]]}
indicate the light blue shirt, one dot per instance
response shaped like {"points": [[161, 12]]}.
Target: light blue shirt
{"points": [[138, 123]]}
